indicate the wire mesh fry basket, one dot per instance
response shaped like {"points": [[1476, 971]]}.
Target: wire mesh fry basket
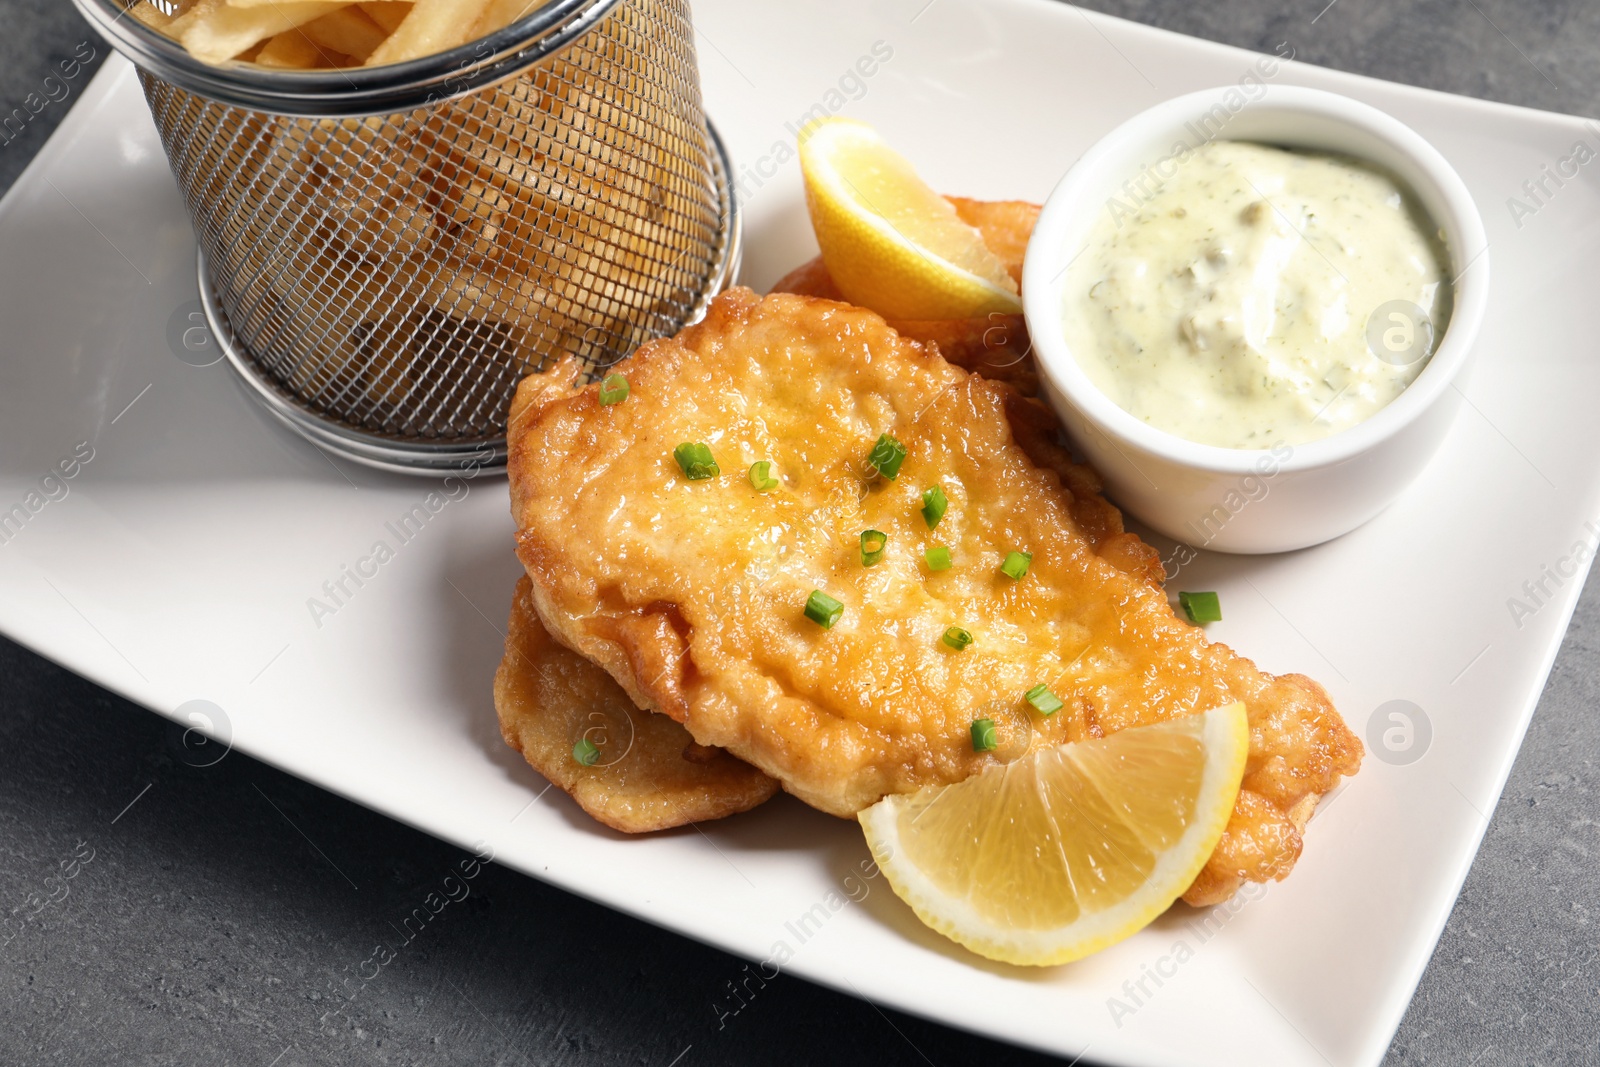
{"points": [[386, 251]]}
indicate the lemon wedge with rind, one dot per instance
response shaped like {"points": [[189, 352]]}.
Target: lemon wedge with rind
{"points": [[889, 241], [1069, 849]]}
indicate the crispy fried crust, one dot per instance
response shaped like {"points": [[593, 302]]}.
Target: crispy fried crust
{"points": [[1035, 430], [1006, 226], [996, 347], [650, 774], [690, 593]]}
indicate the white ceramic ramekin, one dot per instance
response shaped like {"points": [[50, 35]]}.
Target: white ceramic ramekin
{"points": [[1240, 500]]}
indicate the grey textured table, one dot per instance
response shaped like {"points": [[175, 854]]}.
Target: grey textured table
{"points": [[207, 930]]}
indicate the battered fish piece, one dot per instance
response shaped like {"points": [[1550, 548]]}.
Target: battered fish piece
{"points": [[691, 593], [650, 774], [996, 347]]}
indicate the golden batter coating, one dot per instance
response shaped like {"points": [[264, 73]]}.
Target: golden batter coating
{"points": [[648, 775], [691, 593]]}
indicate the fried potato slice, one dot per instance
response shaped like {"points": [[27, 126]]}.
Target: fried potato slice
{"points": [[214, 31], [997, 346], [432, 26], [386, 13], [650, 775], [151, 15], [500, 13], [346, 31], [293, 50], [692, 593]]}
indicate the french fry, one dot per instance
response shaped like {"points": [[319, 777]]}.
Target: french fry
{"points": [[433, 26], [171, 9], [387, 13], [371, 32], [501, 13], [341, 345], [479, 209], [492, 294], [188, 16], [152, 16], [363, 184], [402, 252], [384, 371], [215, 32], [291, 50], [395, 224], [346, 31]]}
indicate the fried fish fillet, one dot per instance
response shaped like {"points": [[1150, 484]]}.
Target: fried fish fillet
{"points": [[691, 593], [649, 774], [997, 346]]}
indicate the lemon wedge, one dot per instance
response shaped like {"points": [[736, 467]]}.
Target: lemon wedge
{"points": [[890, 242], [1070, 848]]}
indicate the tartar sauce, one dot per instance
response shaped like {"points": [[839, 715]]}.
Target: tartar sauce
{"points": [[1244, 297]]}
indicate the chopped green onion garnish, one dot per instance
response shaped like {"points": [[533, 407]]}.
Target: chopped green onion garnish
{"points": [[1043, 701], [585, 752], [886, 456], [1016, 564], [873, 542], [822, 609], [984, 738], [696, 461], [613, 389], [937, 558], [761, 476], [934, 503], [1201, 607], [957, 638]]}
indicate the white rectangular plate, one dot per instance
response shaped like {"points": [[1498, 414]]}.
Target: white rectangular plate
{"points": [[178, 563]]}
